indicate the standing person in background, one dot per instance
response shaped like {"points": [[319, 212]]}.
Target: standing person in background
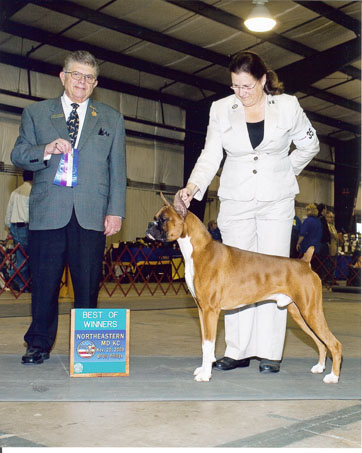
{"points": [[76, 148], [333, 246], [214, 230], [17, 220], [255, 126], [310, 231], [325, 241], [295, 236]]}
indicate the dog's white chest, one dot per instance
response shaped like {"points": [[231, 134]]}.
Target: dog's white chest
{"points": [[186, 250]]}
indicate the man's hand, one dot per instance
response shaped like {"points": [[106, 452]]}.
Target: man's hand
{"points": [[58, 146], [112, 225]]}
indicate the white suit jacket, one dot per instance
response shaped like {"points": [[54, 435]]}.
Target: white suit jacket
{"points": [[267, 172]]}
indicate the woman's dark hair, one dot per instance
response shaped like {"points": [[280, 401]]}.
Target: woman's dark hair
{"points": [[252, 64], [320, 208]]}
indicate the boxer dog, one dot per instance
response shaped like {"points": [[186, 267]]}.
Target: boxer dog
{"points": [[221, 277]]}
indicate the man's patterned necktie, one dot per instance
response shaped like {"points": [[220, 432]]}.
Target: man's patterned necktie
{"points": [[73, 124]]}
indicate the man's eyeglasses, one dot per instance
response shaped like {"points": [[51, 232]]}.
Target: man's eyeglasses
{"points": [[243, 87], [89, 78]]}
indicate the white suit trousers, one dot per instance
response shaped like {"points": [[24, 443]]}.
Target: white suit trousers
{"points": [[265, 227]]}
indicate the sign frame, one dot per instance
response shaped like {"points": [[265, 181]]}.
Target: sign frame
{"points": [[99, 367]]}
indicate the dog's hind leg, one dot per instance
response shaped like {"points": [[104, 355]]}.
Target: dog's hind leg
{"points": [[208, 322], [314, 316], [322, 350], [321, 329]]}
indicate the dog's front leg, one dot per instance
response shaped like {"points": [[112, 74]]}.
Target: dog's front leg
{"points": [[203, 373], [208, 323]]}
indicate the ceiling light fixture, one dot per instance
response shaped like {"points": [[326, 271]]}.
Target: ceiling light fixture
{"points": [[260, 19]]}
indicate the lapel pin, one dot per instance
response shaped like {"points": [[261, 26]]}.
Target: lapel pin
{"points": [[235, 106], [94, 113]]}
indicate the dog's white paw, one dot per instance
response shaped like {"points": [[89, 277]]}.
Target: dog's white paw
{"points": [[203, 377], [331, 379], [317, 369], [202, 374]]}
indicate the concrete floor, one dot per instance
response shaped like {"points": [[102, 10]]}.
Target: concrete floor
{"points": [[238, 424]]}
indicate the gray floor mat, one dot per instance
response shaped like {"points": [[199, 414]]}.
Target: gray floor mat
{"points": [[155, 378]]}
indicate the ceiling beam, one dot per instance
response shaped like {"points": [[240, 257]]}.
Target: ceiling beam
{"points": [[16, 94], [303, 73], [115, 85], [11, 109], [56, 40], [132, 89], [333, 14], [333, 98], [315, 169], [220, 16], [330, 140], [9, 8], [142, 33], [352, 71], [89, 15], [231, 20], [333, 122]]}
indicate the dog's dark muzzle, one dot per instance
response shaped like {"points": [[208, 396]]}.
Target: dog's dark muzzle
{"points": [[155, 232]]}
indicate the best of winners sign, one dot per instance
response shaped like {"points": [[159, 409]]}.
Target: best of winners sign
{"points": [[99, 342]]}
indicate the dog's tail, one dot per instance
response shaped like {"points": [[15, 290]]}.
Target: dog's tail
{"points": [[308, 254]]}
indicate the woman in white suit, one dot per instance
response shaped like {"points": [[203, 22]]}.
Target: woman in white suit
{"points": [[255, 126]]}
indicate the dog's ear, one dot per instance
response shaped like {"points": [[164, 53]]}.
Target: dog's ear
{"points": [[167, 203], [179, 205]]}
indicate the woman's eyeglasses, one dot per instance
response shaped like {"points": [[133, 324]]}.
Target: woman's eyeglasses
{"points": [[243, 87]]}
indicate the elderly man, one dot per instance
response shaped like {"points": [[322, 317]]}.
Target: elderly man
{"points": [[76, 148]]}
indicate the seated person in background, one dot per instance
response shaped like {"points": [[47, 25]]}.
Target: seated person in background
{"points": [[214, 230], [333, 247]]}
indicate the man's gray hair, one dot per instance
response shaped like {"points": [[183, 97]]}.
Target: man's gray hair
{"points": [[83, 57]]}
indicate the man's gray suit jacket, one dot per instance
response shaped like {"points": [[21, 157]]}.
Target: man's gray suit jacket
{"points": [[101, 188]]}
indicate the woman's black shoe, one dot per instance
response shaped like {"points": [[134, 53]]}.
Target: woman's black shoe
{"points": [[226, 363], [269, 366]]}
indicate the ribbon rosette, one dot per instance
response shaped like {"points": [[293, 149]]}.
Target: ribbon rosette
{"points": [[67, 172]]}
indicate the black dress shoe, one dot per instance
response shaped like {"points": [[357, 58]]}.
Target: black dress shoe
{"points": [[226, 363], [34, 356], [269, 366]]}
